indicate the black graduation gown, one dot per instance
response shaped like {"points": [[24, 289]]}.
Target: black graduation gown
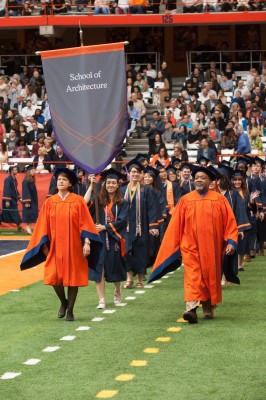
{"points": [[29, 196], [261, 225], [111, 258], [80, 188], [137, 246], [154, 241], [11, 194], [186, 187], [244, 244], [239, 208]]}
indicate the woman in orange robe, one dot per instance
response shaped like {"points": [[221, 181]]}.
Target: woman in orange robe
{"points": [[203, 229], [63, 237]]}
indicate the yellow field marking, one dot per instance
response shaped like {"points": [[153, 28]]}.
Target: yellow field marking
{"points": [[181, 320], [125, 377], [163, 339], [106, 394], [151, 350], [139, 363], [174, 329]]}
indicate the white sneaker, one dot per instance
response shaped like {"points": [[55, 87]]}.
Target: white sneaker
{"points": [[101, 306], [117, 298]]}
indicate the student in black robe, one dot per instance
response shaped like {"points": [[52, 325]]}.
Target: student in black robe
{"points": [[10, 199], [150, 179], [113, 213], [29, 199], [239, 182], [142, 223]]}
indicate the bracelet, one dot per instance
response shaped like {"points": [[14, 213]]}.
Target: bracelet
{"points": [[87, 241]]}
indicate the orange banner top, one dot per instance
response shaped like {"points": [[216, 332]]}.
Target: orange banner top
{"points": [[70, 52]]}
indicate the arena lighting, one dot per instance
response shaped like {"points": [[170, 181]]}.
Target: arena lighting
{"points": [[46, 30]]}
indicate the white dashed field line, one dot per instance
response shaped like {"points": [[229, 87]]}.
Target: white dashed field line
{"points": [[83, 328], [68, 338], [51, 349], [10, 375], [32, 361], [97, 319]]}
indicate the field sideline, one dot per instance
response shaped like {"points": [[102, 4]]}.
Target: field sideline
{"points": [[219, 359]]}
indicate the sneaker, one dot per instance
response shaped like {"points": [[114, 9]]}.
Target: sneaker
{"points": [[101, 305], [117, 298]]}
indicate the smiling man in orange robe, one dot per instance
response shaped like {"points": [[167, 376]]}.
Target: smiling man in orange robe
{"points": [[202, 229]]}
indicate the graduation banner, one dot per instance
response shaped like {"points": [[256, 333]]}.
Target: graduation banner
{"points": [[86, 88]]}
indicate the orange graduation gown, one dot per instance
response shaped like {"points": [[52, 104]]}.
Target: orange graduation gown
{"points": [[63, 225], [200, 229]]}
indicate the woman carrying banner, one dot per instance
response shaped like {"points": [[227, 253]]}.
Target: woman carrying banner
{"points": [[64, 237], [113, 212], [142, 222]]}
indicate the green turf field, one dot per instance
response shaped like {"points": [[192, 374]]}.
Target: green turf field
{"points": [[222, 359]]}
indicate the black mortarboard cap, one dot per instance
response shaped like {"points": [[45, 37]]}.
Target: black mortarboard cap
{"points": [[152, 171], [225, 170], [170, 168], [175, 161], [202, 158], [159, 165], [29, 167], [238, 172], [131, 163], [225, 162], [207, 171], [142, 157], [112, 173], [257, 160], [242, 160], [215, 171], [186, 165], [70, 174]]}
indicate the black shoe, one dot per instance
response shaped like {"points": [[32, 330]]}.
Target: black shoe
{"points": [[191, 317], [62, 310], [70, 316]]}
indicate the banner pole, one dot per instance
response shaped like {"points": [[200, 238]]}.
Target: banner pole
{"points": [[96, 202], [80, 35]]}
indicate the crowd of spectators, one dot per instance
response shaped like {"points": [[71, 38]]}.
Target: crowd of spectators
{"points": [[27, 8], [215, 111], [25, 123]]}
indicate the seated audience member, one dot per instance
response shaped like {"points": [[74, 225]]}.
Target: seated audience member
{"points": [[22, 132], [167, 135], [162, 157], [195, 103], [21, 151], [3, 153], [137, 6], [27, 9], [11, 141], [34, 133], [214, 133], [121, 7], [101, 7], [255, 140], [226, 84], [42, 161], [158, 142], [221, 97], [60, 158], [48, 144], [179, 152], [36, 146], [141, 83], [133, 120], [194, 135], [211, 69], [191, 6], [206, 151], [28, 111], [228, 140], [218, 120], [243, 144], [202, 120], [60, 7], [39, 116]]}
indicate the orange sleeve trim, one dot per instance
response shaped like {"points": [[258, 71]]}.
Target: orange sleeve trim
{"points": [[102, 48], [26, 200], [154, 224], [160, 221], [6, 198], [241, 226]]}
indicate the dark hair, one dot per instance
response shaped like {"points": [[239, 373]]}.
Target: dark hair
{"points": [[104, 196], [70, 189], [225, 183], [243, 185]]}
